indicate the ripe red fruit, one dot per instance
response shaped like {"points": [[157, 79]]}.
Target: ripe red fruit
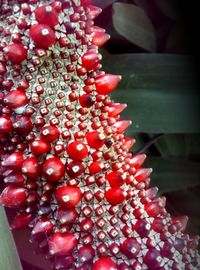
{"points": [[53, 169], [16, 53], [77, 150], [15, 99], [104, 263], [130, 248], [90, 60], [66, 216], [74, 169], [115, 178], [99, 38], [46, 14], [106, 83], [42, 35], [22, 125], [31, 168], [42, 228], [86, 253], [40, 147], [13, 196], [115, 195], [14, 161], [62, 243], [6, 125], [86, 100], [95, 139], [68, 196], [49, 133], [21, 220], [115, 109]]}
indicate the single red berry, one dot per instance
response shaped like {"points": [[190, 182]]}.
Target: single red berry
{"points": [[130, 248], [21, 220], [77, 150], [74, 169], [86, 100], [40, 147], [14, 161], [15, 99], [104, 263], [106, 83], [49, 133], [115, 109], [46, 14], [95, 139], [86, 253], [62, 243], [68, 196], [13, 196], [90, 60], [99, 38], [22, 125], [16, 53], [115, 195], [53, 169], [31, 168], [115, 178], [42, 35], [66, 216], [6, 124], [42, 228]]}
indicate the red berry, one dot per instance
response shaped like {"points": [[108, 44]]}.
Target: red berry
{"points": [[31, 168], [99, 38], [90, 60], [49, 133], [62, 243], [77, 150], [106, 83], [86, 253], [21, 220], [66, 216], [13, 196], [16, 53], [95, 139], [104, 263], [15, 99], [14, 161], [46, 15], [22, 125], [6, 125], [115, 109], [42, 35], [115, 178], [53, 169], [130, 247], [42, 228], [86, 100], [115, 195], [40, 147], [74, 169], [68, 196]]}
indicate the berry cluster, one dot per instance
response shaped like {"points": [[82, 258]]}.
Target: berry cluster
{"points": [[64, 157]]}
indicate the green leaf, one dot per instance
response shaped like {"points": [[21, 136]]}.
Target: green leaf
{"points": [[132, 23], [160, 90], [103, 4], [8, 254], [172, 174]]}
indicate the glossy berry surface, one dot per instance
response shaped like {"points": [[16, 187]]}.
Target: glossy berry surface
{"points": [[64, 159]]}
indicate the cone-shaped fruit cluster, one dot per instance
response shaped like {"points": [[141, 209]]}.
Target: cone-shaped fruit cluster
{"points": [[64, 157]]}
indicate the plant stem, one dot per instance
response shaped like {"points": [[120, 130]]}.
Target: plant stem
{"points": [[9, 259]]}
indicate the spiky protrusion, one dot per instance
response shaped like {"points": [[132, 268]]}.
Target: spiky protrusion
{"points": [[64, 156]]}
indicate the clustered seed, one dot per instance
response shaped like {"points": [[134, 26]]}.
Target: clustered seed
{"points": [[64, 157]]}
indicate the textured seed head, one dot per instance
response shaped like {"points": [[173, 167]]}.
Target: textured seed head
{"points": [[64, 157]]}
